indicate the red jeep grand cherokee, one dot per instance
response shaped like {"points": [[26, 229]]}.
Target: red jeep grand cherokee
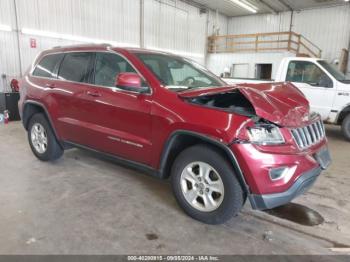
{"points": [[171, 117]]}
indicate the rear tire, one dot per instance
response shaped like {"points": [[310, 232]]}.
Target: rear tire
{"points": [[345, 127], [42, 140], [213, 198]]}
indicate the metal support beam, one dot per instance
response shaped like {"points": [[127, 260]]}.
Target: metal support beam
{"points": [[286, 5], [142, 25], [17, 30], [271, 9]]}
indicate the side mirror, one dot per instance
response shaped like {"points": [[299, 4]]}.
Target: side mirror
{"points": [[130, 82]]}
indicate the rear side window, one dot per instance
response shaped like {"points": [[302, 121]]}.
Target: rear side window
{"points": [[47, 65], [108, 66], [75, 67]]}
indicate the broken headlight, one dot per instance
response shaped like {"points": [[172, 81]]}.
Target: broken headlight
{"points": [[265, 135]]}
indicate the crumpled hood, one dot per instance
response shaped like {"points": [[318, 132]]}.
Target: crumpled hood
{"points": [[280, 103]]}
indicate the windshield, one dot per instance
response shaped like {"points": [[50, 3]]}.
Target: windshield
{"points": [[333, 71], [179, 74]]}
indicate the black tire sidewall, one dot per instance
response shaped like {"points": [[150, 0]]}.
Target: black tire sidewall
{"points": [[233, 194], [346, 127], [53, 150]]}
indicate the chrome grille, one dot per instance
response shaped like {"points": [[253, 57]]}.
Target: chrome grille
{"points": [[308, 135]]}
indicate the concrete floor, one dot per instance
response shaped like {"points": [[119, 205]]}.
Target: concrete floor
{"points": [[82, 204]]}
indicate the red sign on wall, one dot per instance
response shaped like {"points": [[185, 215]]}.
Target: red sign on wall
{"points": [[32, 43]]}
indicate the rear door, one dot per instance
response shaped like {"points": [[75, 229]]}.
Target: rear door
{"points": [[315, 83], [116, 121], [67, 96]]}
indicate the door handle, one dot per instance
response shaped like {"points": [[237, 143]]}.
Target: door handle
{"points": [[93, 94], [50, 85]]}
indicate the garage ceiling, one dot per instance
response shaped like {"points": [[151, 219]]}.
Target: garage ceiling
{"points": [[229, 8]]}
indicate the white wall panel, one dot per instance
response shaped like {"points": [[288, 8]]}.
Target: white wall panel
{"points": [[9, 61], [175, 26], [263, 23], [6, 13], [328, 28], [218, 62], [217, 23], [115, 20], [171, 25]]}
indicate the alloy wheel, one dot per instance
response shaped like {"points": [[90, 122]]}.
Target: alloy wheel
{"points": [[39, 139], [202, 186]]}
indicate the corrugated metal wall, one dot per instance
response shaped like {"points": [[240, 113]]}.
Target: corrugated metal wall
{"points": [[168, 25], [328, 28], [217, 23], [259, 23], [175, 25], [218, 62], [9, 60]]}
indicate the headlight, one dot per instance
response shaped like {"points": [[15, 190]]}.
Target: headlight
{"points": [[265, 135]]}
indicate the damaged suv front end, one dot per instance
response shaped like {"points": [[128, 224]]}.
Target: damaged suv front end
{"points": [[281, 147]]}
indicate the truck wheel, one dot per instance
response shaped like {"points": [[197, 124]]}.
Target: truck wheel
{"points": [[205, 185], [345, 127], [42, 140]]}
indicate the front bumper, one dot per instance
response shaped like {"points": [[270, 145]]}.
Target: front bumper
{"points": [[265, 193], [301, 185]]}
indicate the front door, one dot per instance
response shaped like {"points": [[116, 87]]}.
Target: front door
{"points": [[316, 85], [118, 121]]}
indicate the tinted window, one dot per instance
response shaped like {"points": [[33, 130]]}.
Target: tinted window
{"points": [[307, 72], [47, 65], [75, 67], [108, 66]]}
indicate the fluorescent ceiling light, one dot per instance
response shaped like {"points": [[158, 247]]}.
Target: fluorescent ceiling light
{"points": [[5, 28], [34, 32], [249, 7]]}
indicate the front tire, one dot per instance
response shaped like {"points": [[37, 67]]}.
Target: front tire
{"points": [[346, 127], [42, 140], [205, 185]]}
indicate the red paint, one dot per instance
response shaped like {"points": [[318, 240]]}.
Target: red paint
{"points": [[32, 43], [128, 80], [106, 119]]}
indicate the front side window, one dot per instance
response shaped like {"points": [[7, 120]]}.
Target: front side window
{"points": [[177, 73], [47, 65], [75, 67], [307, 72], [108, 66]]}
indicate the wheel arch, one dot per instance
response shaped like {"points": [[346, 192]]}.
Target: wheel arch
{"points": [[182, 139], [343, 113], [31, 108]]}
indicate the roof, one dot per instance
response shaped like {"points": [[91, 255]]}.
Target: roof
{"points": [[229, 8], [85, 47]]}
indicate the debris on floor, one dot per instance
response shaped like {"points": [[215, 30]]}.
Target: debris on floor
{"points": [[151, 236], [268, 236], [31, 240]]}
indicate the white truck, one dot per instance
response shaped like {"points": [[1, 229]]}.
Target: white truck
{"points": [[326, 88]]}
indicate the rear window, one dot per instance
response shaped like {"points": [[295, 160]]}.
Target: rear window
{"points": [[75, 67], [47, 65]]}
